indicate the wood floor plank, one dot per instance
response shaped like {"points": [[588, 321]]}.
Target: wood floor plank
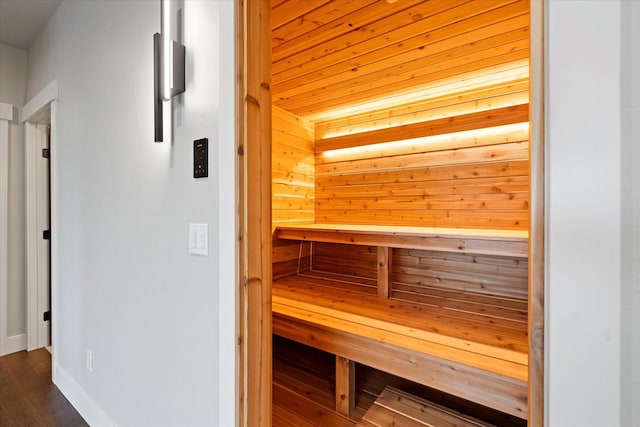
{"points": [[284, 418], [27, 395], [320, 390], [382, 417], [401, 408], [308, 409]]}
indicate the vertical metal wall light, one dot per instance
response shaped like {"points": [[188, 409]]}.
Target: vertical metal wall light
{"points": [[168, 69]]}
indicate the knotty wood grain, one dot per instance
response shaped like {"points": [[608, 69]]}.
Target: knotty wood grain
{"points": [[537, 241], [345, 386], [479, 241], [490, 389], [396, 407], [254, 81]]}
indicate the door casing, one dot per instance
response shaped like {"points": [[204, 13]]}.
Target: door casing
{"points": [[42, 109]]}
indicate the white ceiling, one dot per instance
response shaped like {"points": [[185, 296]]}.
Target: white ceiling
{"points": [[21, 21]]}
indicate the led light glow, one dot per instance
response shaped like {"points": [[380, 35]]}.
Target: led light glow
{"points": [[468, 107], [167, 60], [465, 82], [511, 133]]}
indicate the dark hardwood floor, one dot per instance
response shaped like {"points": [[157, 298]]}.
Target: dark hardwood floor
{"points": [[27, 395]]}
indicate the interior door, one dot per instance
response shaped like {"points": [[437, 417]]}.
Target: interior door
{"points": [[44, 246]]}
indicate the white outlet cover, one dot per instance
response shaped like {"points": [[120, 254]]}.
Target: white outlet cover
{"points": [[199, 239], [89, 361]]}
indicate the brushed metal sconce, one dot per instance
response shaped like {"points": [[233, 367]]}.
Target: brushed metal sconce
{"points": [[168, 69]]}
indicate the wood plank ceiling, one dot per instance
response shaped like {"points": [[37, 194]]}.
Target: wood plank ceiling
{"points": [[332, 55]]}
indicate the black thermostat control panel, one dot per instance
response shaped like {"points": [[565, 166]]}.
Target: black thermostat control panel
{"points": [[201, 158]]}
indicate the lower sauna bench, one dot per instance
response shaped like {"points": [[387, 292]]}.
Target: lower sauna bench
{"points": [[468, 346], [397, 408], [304, 390]]}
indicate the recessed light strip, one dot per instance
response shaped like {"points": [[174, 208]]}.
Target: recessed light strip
{"points": [[469, 81], [516, 132]]}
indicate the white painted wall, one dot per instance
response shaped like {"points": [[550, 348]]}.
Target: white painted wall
{"points": [[13, 72], [227, 384], [584, 108], [159, 321], [630, 213]]}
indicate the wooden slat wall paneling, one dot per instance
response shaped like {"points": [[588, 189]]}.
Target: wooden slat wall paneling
{"points": [[510, 32], [320, 30], [397, 81], [415, 271], [490, 172], [357, 48], [284, 11], [307, 23], [419, 40], [470, 186], [466, 122], [289, 258], [293, 187], [441, 85], [358, 261], [457, 169], [293, 170], [499, 95], [473, 155]]}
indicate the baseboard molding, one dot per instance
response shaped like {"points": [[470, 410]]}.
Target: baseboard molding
{"points": [[92, 413], [14, 344]]}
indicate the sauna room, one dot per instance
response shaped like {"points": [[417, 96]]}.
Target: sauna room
{"points": [[400, 212]]}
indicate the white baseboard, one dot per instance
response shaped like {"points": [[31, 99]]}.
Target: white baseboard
{"points": [[14, 344], [81, 401]]}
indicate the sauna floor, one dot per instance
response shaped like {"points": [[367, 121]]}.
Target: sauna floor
{"points": [[304, 386], [27, 395]]}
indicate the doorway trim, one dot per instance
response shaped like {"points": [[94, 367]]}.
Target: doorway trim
{"points": [[43, 106], [537, 217], [6, 116], [253, 115]]}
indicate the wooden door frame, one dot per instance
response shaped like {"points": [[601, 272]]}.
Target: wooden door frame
{"points": [[253, 68], [41, 108], [537, 96], [6, 117]]}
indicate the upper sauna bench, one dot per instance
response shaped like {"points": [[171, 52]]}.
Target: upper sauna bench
{"points": [[471, 241]]}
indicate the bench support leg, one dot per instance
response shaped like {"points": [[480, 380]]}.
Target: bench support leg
{"points": [[384, 271], [345, 386]]}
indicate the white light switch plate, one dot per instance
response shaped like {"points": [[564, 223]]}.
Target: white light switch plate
{"points": [[199, 239]]}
